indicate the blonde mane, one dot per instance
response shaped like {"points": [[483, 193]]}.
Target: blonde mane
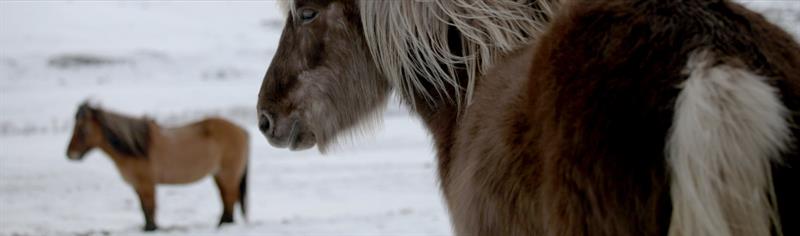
{"points": [[409, 39]]}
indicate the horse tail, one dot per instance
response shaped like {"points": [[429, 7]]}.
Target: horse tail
{"points": [[243, 192], [245, 145], [729, 128]]}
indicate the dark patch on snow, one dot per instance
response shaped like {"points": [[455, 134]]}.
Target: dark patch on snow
{"points": [[222, 74], [9, 62], [67, 61], [94, 233]]}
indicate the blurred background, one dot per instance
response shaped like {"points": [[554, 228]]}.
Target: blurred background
{"points": [[180, 61]]}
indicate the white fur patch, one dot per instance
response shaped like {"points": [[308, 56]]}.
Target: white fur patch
{"points": [[729, 126]]}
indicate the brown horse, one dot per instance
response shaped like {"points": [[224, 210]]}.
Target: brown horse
{"points": [[574, 117], [146, 154]]}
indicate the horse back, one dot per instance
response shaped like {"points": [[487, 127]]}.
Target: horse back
{"points": [[187, 153], [224, 132]]}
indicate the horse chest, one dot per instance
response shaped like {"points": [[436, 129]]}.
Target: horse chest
{"points": [[134, 172], [128, 176]]}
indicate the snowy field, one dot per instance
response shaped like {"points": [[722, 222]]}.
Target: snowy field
{"points": [[178, 61]]}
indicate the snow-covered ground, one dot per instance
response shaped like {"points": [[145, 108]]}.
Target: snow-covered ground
{"points": [[178, 61]]}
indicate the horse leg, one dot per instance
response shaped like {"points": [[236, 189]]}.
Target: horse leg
{"points": [[147, 198], [229, 192]]}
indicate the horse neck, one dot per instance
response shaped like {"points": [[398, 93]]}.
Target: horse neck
{"points": [[112, 153], [441, 114], [118, 157], [440, 118]]}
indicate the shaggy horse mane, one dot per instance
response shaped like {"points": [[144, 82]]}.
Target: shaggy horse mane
{"points": [[128, 136], [409, 40]]}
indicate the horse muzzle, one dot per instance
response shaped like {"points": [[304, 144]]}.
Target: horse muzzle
{"points": [[286, 133], [75, 155]]}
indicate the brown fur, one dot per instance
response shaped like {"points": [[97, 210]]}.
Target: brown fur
{"points": [[325, 97], [166, 155], [566, 135], [615, 86]]}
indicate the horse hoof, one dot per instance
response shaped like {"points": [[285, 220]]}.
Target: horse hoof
{"points": [[150, 227], [225, 220]]}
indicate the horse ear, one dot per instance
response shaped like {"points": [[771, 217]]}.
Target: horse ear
{"points": [[92, 112], [82, 110], [86, 111]]}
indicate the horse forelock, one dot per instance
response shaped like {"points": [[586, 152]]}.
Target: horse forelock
{"points": [[409, 40], [128, 136]]}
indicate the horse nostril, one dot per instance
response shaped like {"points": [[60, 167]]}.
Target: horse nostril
{"points": [[264, 122]]}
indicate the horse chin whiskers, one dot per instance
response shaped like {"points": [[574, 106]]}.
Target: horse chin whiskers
{"points": [[301, 137], [293, 135], [75, 155], [338, 137]]}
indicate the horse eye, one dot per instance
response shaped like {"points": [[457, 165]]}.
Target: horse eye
{"points": [[307, 15]]}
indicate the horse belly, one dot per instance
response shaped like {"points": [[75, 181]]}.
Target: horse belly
{"points": [[182, 177], [188, 165]]}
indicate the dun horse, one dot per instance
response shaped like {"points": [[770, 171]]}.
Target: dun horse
{"points": [[147, 154], [574, 117]]}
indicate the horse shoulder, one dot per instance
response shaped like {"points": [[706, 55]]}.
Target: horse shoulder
{"points": [[134, 171], [494, 169]]}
